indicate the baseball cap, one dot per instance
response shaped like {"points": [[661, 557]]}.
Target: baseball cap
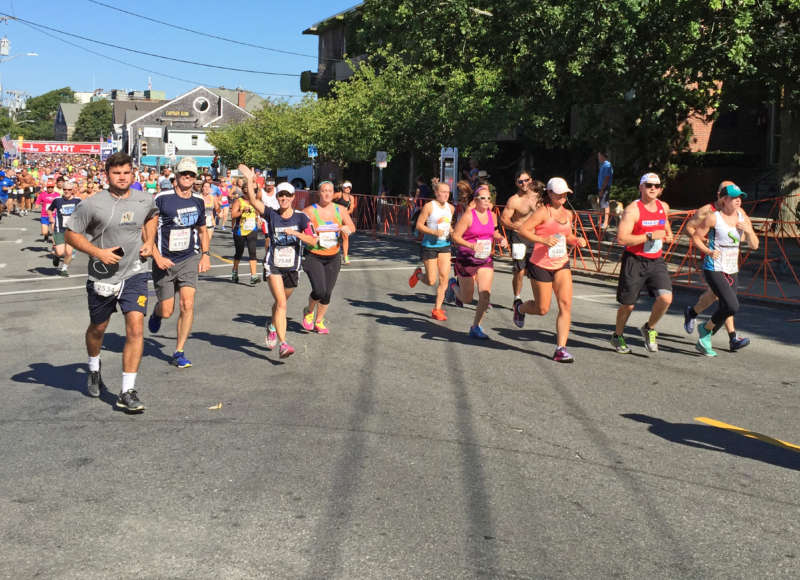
{"points": [[270, 181], [650, 178], [285, 186], [347, 184], [51, 183], [733, 191], [558, 185], [187, 164]]}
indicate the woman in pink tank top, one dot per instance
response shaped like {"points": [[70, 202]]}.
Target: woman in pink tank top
{"points": [[474, 236], [551, 228]]}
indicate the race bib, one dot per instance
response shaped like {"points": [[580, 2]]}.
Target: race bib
{"points": [[729, 259], [105, 290], [179, 239], [652, 246], [284, 256], [560, 249], [444, 231], [483, 248], [249, 225], [518, 251], [328, 239]]}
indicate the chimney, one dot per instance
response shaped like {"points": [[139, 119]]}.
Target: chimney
{"points": [[242, 99]]}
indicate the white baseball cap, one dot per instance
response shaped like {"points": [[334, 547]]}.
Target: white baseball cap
{"points": [[187, 164], [285, 186], [558, 186], [650, 178], [347, 184]]}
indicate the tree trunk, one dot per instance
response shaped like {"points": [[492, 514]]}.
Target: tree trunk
{"points": [[789, 164]]}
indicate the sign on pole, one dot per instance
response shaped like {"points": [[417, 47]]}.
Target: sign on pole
{"points": [[312, 151], [380, 159]]}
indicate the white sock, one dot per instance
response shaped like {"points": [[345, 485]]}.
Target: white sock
{"points": [[94, 363], [128, 381], [64, 266], [517, 297]]}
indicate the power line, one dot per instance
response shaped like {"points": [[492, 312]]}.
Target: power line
{"points": [[202, 33], [173, 59], [161, 74]]}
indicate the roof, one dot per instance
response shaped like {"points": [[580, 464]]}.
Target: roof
{"points": [[161, 104], [71, 112], [331, 20], [121, 109], [252, 100]]}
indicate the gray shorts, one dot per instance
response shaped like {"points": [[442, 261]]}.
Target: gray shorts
{"points": [[167, 282]]}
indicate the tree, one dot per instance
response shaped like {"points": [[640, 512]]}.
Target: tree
{"points": [[95, 121], [40, 113]]}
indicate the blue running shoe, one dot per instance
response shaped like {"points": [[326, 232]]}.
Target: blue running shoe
{"points": [[154, 323], [477, 332], [519, 317], [179, 360], [737, 343], [688, 320]]}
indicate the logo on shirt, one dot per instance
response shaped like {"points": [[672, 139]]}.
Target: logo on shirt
{"points": [[187, 216], [127, 217], [647, 223]]}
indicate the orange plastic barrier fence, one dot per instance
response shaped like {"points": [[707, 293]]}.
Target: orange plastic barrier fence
{"points": [[771, 272]]}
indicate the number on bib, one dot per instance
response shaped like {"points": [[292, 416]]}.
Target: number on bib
{"points": [[284, 256], [249, 225], [652, 246], [560, 249], [179, 239], [729, 259], [328, 239], [483, 248]]}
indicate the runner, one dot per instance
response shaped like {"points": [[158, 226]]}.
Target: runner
{"points": [[269, 199], [288, 229], [519, 208], [725, 228], [435, 222], [643, 230], [44, 199], [348, 201], [245, 233], [62, 208], [109, 227], [322, 262], [211, 204], [151, 183], [474, 234], [551, 228], [707, 298]]}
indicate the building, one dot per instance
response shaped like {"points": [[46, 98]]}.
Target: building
{"points": [[66, 119], [181, 123]]}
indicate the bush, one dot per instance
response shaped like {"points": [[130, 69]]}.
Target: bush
{"points": [[716, 159]]}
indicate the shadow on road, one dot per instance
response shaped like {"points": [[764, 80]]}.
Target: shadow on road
{"points": [[721, 440], [71, 377], [261, 321], [236, 344]]}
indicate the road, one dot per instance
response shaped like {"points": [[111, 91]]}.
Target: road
{"points": [[395, 447]]}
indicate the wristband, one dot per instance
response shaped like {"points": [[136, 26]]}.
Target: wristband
{"points": [[206, 253]]}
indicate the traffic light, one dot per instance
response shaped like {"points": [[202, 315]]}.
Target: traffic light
{"points": [[143, 148]]}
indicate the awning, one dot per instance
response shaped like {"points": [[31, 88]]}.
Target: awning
{"points": [[153, 160]]}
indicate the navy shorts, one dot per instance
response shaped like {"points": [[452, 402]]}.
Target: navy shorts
{"points": [[132, 298]]}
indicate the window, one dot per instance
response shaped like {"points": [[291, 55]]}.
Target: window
{"points": [[201, 104]]}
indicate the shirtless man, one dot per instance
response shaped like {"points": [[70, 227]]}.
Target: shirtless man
{"points": [[519, 208]]}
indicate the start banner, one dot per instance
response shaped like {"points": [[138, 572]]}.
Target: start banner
{"points": [[61, 147]]}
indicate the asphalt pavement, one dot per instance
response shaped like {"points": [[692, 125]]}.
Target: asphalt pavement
{"points": [[395, 446]]}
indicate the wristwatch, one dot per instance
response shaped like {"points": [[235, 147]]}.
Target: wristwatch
{"points": [[649, 236], [205, 253]]}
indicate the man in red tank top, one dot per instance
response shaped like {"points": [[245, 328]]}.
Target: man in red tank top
{"points": [[643, 230]]}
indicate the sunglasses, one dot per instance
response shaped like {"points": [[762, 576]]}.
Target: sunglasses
{"points": [[283, 194], [483, 198], [655, 185], [521, 181]]}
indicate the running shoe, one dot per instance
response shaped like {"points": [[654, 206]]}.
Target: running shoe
{"points": [[736, 343], [56, 260], [272, 337], [235, 277], [63, 273], [308, 319], [254, 280], [649, 335], [285, 350], [154, 323], [320, 327], [561, 355], [130, 400], [619, 344], [689, 321], [94, 383], [346, 262], [519, 317], [438, 314], [477, 332], [703, 345], [450, 293], [179, 360], [414, 277]]}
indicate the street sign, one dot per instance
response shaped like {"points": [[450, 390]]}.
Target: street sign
{"points": [[380, 159], [312, 151], [169, 149]]}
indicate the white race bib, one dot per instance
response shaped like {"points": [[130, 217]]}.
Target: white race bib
{"points": [[652, 246], [560, 249], [179, 239], [444, 231], [328, 239], [483, 248], [518, 251], [249, 225], [729, 259], [284, 256]]}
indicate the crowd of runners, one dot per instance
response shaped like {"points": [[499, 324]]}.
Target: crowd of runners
{"points": [[123, 218]]}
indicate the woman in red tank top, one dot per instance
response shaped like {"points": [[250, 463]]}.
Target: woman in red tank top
{"points": [[551, 228]]}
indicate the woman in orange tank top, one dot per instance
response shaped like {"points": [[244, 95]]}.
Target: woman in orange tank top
{"points": [[551, 228]]}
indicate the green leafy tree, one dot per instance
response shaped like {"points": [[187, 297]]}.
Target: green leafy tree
{"points": [[38, 118], [95, 120]]}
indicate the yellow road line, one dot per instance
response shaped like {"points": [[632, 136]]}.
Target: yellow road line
{"points": [[218, 257], [747, 433]]}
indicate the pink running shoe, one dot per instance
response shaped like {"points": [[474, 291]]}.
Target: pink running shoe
{"points": [[320, 327], [285, 350], [308, 319]]}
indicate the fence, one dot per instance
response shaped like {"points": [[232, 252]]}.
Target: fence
{"points": [[771, 272]]}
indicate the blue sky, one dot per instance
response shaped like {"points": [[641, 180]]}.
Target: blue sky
{"points": [[271, 24]]}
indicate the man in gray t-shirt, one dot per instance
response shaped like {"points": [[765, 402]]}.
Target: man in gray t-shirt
{"points": [[116, 228]]}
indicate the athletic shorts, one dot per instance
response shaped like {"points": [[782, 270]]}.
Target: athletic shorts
{"points": [[167, 282], [131, 298], [45, 220], [19, 195], [432, 253], [637, 272], [58, 238], [290, 277], [542, 274], [602, 198], [467, 266]]}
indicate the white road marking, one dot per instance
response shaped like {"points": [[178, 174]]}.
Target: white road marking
{"points": [[43, 278], [17, 241], [42, 290], [16, 229], [596, 298], [2, 265]]}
